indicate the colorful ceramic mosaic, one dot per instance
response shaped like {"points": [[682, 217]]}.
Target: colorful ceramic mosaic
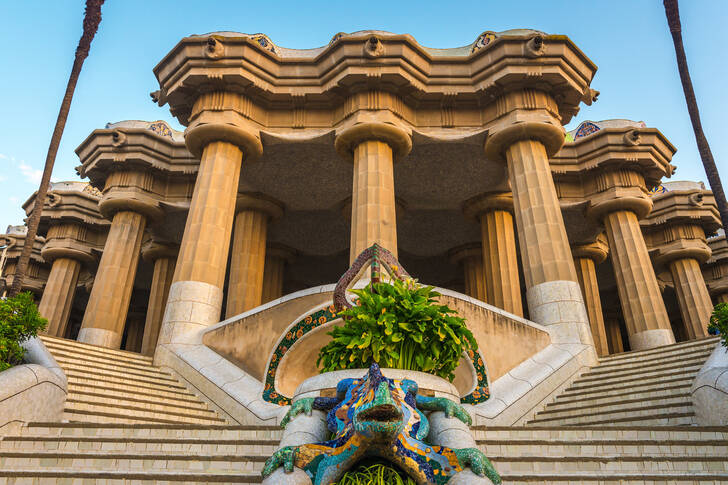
{"points": [[483, 40], [585, 129], [161, 128], [658, 190], [337, 37], [264, 42], [377, 417], [377, 258]]}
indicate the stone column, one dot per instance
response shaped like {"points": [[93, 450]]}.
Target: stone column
{"points": [[57, 299], [614, 335], [470, 256], [103, 322], [619, 202], [525, 135], [220, 135], [692, 296], [134, 332], [276, 258], [374, 147], [163, 256], [586, 257], [500, 263], [245, 284]]}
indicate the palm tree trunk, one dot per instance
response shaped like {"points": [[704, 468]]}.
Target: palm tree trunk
{"points": [[673, 20], [91, 20]]}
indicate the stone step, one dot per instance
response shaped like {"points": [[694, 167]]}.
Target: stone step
{"points": [[182, 398], [619, 432], [94, 349], [646, 370], [78, 445], [140, 406], [151, 430], [79, 379], [677, 413], [113, 477], [677, 384], [622, 382], [101, 373], [103, 362], [674, 349], [655, 360], [614, 463], [602, 447], [641, 400], [99, 461], [83, 412]]}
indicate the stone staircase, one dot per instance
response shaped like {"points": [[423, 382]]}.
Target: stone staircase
{"points": [[108, 443], [642, 388]]}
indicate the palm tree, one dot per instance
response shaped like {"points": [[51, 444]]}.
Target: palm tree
{"points": [[91, 20], [673, 20]]}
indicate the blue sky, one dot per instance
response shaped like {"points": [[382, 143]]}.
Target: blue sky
{"points": [[628, 40]]}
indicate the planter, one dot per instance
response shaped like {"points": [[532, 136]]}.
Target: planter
{"points": [[710, 389]]}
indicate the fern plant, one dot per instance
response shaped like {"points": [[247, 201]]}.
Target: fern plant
{"points": [[399, 325]]}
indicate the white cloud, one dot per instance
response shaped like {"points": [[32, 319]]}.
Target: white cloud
{"points": [[3, 156], [31, 174], [13, 199]]}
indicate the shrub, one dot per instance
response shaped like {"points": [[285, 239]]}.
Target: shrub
{"points": [[398, 325], [19, 321], [719, 322], [375, 474]]}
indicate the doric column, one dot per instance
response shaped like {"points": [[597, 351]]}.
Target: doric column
{"points": [[527, 132], [164, 257], [374, 147], [67, 248], [134, 332], [219, 134], [247, 262], [614, 335], [715, 271], [692, 296], [276, 258], [108, 304], [500, 263], [55, 304], [586, 257], [470, 256]]}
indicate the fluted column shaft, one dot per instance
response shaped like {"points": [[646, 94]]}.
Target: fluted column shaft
{"points": [[642, 305], [161, 281], [544, 245], [103, 322], [474, 273], [692, 296], [614, 335], [373, 215], [245, 285], [500, 263], [273, 278], [57, 300], [586, 271], [134, 334]]}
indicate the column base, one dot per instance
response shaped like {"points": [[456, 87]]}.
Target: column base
{"points": [[650, 339], [100, 337], [560, 306], [191, 306]]}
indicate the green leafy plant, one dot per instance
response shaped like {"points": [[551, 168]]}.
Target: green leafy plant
{"points": [[19, 321], [376, 474], [719, 322], [398, 325]]}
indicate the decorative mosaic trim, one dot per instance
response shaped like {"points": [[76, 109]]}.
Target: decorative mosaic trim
{"points": [[264, 42], [297, 331], [161, 128], [481, 393], [658, 190], [337, 37], [483, 40], [586, 129]]}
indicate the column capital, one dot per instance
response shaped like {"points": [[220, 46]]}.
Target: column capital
{"points": [[696, 249], [525, 115], [470, 250], [596, 251], [280, 251], [260, 203], [153, 250], [131, 190], [480, 204], [615, 190], [397, 137], [223, 116], [70, 240]]}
